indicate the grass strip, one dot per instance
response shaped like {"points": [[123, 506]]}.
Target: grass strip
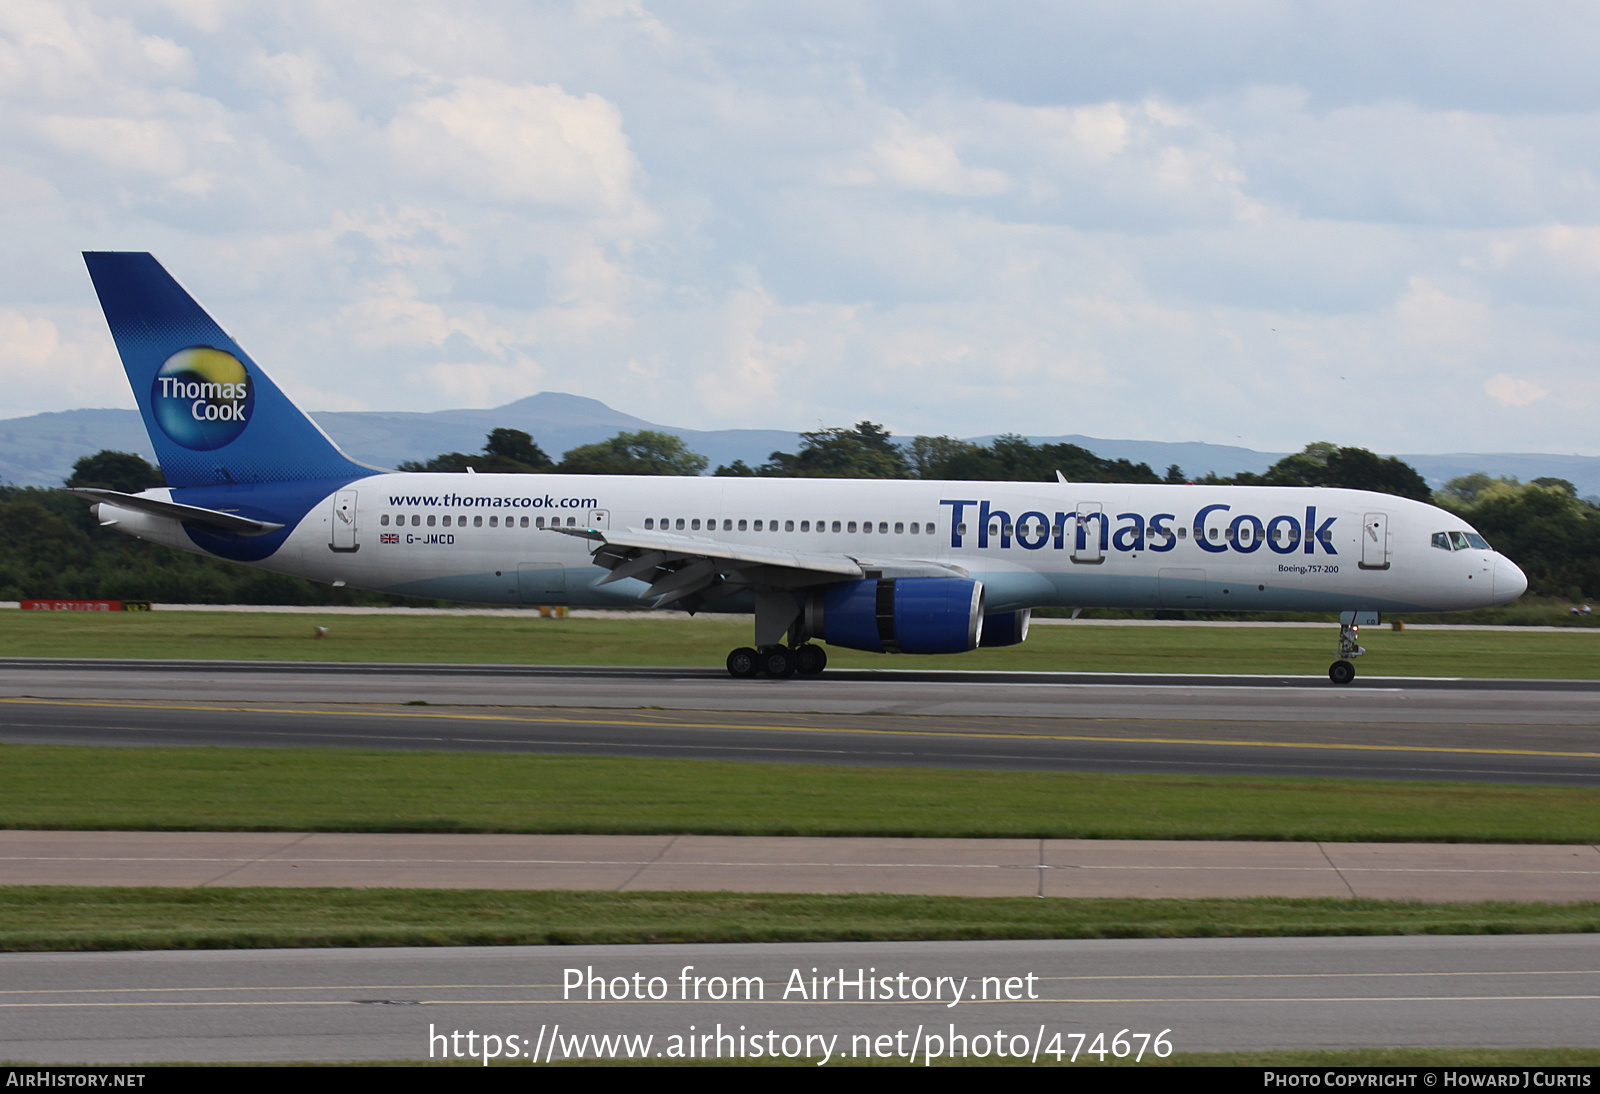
{"points": [[351, 790], [524, 638], [35, 918]]}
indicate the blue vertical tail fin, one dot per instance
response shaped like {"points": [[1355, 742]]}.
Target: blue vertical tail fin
{"points": [[213, 415]]}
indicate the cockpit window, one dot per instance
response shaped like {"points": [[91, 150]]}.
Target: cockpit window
{"points": [[1460, 541]]}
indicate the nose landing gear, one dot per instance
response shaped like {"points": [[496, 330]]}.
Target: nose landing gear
{"points": [[1342, 671]]}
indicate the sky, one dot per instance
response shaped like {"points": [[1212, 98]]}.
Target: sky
{"points": [[1245, 223]]}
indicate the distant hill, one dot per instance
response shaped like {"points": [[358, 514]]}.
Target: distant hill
{"points": [[40, 450]]}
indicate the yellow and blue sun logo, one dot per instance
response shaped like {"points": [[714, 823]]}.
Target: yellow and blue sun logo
{"points": [[202, 397]]}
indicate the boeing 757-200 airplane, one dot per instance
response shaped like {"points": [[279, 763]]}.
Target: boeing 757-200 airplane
{"points": [[887, 566]]}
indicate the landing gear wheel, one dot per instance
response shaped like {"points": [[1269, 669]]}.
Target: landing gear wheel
{"points": [[1341, 672], [744, 663], [778, 662], [810, 660]]}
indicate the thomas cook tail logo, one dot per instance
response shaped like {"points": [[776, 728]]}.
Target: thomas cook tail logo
{"points": [[202, 397]]}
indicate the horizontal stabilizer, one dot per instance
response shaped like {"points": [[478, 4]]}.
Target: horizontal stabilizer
{"points": [[188, 514]]}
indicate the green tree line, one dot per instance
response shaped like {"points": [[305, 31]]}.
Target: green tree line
{"points": [[511, 451]]}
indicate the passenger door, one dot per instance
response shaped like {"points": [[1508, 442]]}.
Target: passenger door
{"points": [[343, 531], [1375, 541], [1089, 538]]}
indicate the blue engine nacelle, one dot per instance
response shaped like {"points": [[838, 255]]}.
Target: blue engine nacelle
{"points": [[1006, 628], [899, 615]]}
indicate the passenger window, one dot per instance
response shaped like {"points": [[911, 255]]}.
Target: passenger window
{"points": [[649, 523], [416, 520], [430, 520], [494, 522], [524, 522], [1213, 533], [836, 526], [1183, 533], [866, 527], [477, 522], [927, 529], [805, 526], [680, 524], [1441, 540], [994, 529], [572, 522], [772, 525], [788, 526], [914, 530], [539, 521], [384, 520], [851, 527], [447, 521], [961, 529], [899, 528], [694, 525], [743, 525], [883, 527]]}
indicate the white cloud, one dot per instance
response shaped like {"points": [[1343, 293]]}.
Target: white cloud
{"points": [[495, 141], [42, 356], [150, 146], [760, 215], [1513, 390], [917, 160]]}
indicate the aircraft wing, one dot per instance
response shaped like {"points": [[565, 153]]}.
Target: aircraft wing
{"points": [[688, 567], [188, 514]]}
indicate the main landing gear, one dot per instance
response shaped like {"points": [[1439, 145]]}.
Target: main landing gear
{"points": [[780, 662], [1342, 671]]}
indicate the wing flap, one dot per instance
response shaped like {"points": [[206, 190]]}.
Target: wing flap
{"points": [[632, 543], [686, 569]]}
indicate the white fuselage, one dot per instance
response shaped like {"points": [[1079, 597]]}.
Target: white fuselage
{"points": [[486, 539]]}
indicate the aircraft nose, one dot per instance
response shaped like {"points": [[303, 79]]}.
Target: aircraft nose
{"points": [[1509, 580]]}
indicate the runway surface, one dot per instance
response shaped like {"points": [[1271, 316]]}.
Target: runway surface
{"points": [[1199, 995], [1518, 731], [935, 867]]}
